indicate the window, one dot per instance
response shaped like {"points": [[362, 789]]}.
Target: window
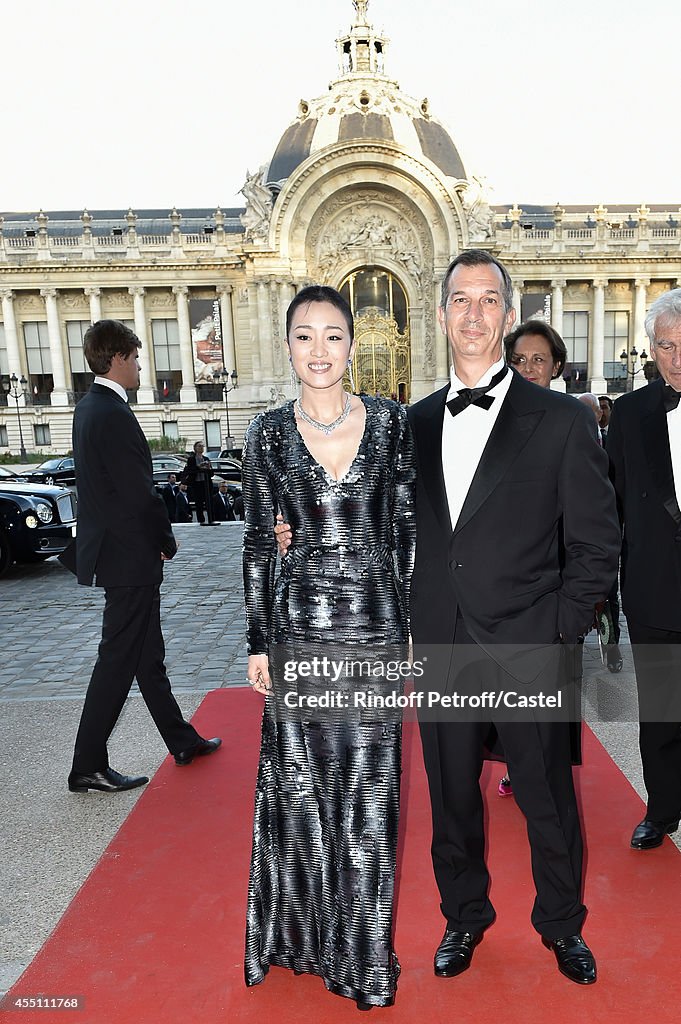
{"points": [[4, 439], [41, 432], [616, 340], [170, 429], [39, 361], [80, 372], [576, 338], [166, 341], [213, 436]]}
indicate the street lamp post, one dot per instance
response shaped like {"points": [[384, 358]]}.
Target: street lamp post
{"points": [[637, 363], [16, 388], [224, 378]]}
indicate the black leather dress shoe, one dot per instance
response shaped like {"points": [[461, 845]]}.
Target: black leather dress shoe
{"points": [[108, 781], [454, 954], [650, 834], [199, 749], [575, 959]]}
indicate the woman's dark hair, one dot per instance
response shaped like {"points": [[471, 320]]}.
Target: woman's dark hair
{"points": [[106, 339], [544, 330], [320, 293]]}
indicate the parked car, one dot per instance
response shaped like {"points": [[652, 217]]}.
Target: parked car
{"points": [[225, 464], [60, 470], [162, 465], [36, 521], [9, 475]]}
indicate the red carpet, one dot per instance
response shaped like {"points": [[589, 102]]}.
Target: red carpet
{"points": [[155, 935]]}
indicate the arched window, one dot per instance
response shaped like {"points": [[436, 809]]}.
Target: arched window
{"points": [[382, 362]]}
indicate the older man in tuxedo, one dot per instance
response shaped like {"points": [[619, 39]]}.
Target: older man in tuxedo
{"points": [[124, 536], [644, 446], [501, 464]]}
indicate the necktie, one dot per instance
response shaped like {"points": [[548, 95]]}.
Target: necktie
{"points": [[475, 396], [670, 398]]}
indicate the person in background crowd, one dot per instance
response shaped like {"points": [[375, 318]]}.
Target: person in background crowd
{"points": [[169, 495], [536, 351], [222, 505], [182, 509], [197, 475], [606, 404], [644, 447]]}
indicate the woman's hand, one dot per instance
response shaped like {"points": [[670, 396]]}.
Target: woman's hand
{"points": [[283, 534], [258, 674]]}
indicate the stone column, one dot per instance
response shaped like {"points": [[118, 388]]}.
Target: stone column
{"points": [[557, 304], [188, 389], [517, 296], [286, 295], [59, 394], [11, 336], [227, 317], [639, 336], [597, 382], [146, 390], [265, 332], [95, 297]]}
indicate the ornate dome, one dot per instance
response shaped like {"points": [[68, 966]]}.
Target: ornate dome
{"points": [[362, 104]]}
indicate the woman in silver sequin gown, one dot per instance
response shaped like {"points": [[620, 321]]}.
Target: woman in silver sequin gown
{"points": [[320, 896]]}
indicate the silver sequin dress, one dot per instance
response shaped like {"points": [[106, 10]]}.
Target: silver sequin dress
{"points": [[320, 896]]}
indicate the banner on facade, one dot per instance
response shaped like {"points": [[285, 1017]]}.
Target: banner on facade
{"points": [[536, 306], [206, 326]]}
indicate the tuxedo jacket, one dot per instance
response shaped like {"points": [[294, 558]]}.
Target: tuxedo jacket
{"points": [[641, 470], [123, 524], [169, 494], [537, 541], [222, 511]]}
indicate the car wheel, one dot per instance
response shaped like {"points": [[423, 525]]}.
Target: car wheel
{"points": [[6, 557]]}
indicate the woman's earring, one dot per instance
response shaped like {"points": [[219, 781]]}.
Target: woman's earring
{"points": [[294, 375], [350, 376]]}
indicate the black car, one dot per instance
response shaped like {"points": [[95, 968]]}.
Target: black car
{"points": [[8, 476], [60, 470], [225, 464], [36, 521], [162, 465]]}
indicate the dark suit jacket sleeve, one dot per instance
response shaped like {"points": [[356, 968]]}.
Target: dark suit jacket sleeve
{"points": [[260, 548], [123, 455], [403, 512], [590, 528]]}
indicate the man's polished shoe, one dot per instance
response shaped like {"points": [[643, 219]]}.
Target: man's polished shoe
{"points": [[199, 749], [454, 954], [650, 834], [575, 959], [108, 781]]}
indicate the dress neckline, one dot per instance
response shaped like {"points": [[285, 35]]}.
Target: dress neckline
{"points": [[316, 462]]}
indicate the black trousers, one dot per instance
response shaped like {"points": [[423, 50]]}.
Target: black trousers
{"points": [[131, 646], [657, 660], [538, 756]]}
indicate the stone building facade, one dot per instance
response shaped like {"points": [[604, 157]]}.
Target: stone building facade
{"points": [[365, 191]]}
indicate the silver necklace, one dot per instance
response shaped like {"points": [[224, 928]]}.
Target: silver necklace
{"points": [[326, 428]]}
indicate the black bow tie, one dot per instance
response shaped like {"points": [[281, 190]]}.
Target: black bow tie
{"points": [[475, 396], [670, 398]]}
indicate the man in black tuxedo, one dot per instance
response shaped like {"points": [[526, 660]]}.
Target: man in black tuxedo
{"points": [[124, 536], [222, 505], [182, 510], [169, 495], [644, 446], [500, 461]]}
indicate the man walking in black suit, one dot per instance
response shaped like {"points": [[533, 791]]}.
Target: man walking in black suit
{"points": [[644, 446], [500, 463], [124, 536], [169, 495], [222, 505]]}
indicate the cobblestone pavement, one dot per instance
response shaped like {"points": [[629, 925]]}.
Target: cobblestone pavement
{"points": [[51, 626], [50, 631]]}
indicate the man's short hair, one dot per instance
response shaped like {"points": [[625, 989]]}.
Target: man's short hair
{"points": [[667, 307], [606, 398], [106, 339], [476, 258]]}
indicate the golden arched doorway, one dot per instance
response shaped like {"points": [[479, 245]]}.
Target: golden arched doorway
{"points": [[382, 362]]}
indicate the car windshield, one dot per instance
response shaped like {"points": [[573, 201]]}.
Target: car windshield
{"points": [[50, 464], [6, 472]]}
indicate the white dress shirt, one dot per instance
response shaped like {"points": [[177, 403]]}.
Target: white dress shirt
{"points": [[674, 428], [464, 437], [105, 382]]}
